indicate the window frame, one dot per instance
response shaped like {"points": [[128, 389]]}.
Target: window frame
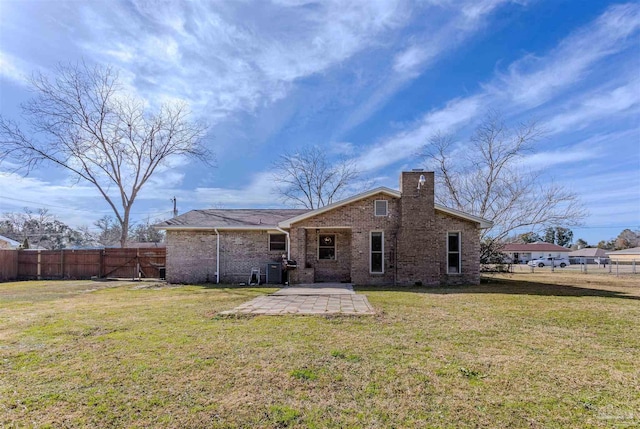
{"points": [[371, 251], [285, 242], [386, 208], [458, 252], [335, 247]]}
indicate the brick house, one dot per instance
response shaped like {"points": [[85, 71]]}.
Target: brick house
{"points": [[381, 236]]}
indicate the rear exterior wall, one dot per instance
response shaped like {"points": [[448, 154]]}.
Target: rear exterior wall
{"points": [[356, 220], [191, 255], [470, 241]]}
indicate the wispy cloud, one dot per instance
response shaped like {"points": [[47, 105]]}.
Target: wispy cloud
{"points": [[546, 78], [204, 53], [14, 69], [421, 52], [407, 143], [534, 80], [597, 105]]}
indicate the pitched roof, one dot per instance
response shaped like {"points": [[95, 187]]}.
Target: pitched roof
{"points": [[387, 191], [262, 219], [589, 252], [230, 219], [632, 251], [11, 242], [533, 247]]}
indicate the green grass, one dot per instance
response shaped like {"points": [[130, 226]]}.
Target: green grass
{"points": [[541, 350]]}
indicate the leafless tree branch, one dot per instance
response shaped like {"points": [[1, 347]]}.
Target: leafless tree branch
{"points": [[84, 121], [488, 179], [307, 178]]}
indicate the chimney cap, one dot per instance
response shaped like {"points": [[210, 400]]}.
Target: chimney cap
{"points": [[417, 169]]}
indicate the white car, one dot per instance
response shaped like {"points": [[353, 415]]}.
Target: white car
{"points": [[547, 262]]}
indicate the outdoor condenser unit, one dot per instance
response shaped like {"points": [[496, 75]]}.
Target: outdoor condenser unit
{"points": [[274, 273]]}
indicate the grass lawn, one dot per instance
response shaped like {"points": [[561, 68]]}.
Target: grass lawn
{"points": [[539, 350]]}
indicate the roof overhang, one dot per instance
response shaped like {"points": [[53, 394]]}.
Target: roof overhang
{"points": [[219, 228]]}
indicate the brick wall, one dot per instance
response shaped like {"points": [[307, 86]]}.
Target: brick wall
{"points": [[352, 243], [470, 240], [416, 240], [415, 243], [191, 255]]}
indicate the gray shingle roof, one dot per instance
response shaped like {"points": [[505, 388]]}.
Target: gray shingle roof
{"points": [[230, 218], [588, 252]]}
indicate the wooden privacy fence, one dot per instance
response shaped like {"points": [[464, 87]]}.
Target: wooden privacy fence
{"points": [[82, 264]]}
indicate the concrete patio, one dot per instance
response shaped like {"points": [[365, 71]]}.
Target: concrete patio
{"points": [[317, 298]]}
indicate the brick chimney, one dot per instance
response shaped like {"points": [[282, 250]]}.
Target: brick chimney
{"points": [[416, 235]]}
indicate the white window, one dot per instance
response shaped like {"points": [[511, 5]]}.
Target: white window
{"points": [[380, 207], [453, 253], [277, 242], [327, 246], [376, 245]]}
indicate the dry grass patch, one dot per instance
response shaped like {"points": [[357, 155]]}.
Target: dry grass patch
{"points": [[519, 351]]}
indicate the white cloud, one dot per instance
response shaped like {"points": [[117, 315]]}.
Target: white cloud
{"points": [[14, 69], [608, 35], [407, 143], [534, 80], [596, 105]]}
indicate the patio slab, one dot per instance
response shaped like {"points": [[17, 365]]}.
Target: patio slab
{"points": [[317, 298]]}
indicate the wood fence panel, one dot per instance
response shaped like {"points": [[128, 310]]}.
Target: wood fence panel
{"points": [[8, 265], [81, 264], [27, 264], [120, 263], [151, 260], [50, 264]]}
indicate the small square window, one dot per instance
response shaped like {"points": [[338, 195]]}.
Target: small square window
{"points": [[277, 242], [380, 207], [326, 246]]}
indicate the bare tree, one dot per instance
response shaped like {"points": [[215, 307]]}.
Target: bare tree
{"points": [[487, 179], [307, 178], [84, 121]]}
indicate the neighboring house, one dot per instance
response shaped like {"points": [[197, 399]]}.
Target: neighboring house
{"points": [[381, 236], [523, 253], [589, 255], [7, 243], [625, 255]]}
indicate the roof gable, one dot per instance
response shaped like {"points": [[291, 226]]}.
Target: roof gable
{"points": [[311, 213], [387, 191]]}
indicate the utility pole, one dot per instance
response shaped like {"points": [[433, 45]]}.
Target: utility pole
{"points": [[175, 209]]}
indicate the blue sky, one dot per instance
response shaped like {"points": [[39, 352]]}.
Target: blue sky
{"points": [[368, 81]]}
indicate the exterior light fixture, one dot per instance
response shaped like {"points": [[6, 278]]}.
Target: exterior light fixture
{"points": [[421, 181]]}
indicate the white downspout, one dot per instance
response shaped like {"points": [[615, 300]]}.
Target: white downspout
{"points": [[217, 256], [288, 241]]}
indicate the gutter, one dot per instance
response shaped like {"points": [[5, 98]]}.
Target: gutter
{"points": [[217, 255], [288, 241]]}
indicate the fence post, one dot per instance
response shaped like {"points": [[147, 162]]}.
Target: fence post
{"points": [[609, 267], [62, 263], [553, 265], [585, 265], [39, 270], [633, 264], [617, 269], [101, 264]]}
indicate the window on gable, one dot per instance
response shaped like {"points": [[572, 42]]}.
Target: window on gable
{"points": [[277, 242], [326, 246], [453, 253], [380, 207], [377, 252]]}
